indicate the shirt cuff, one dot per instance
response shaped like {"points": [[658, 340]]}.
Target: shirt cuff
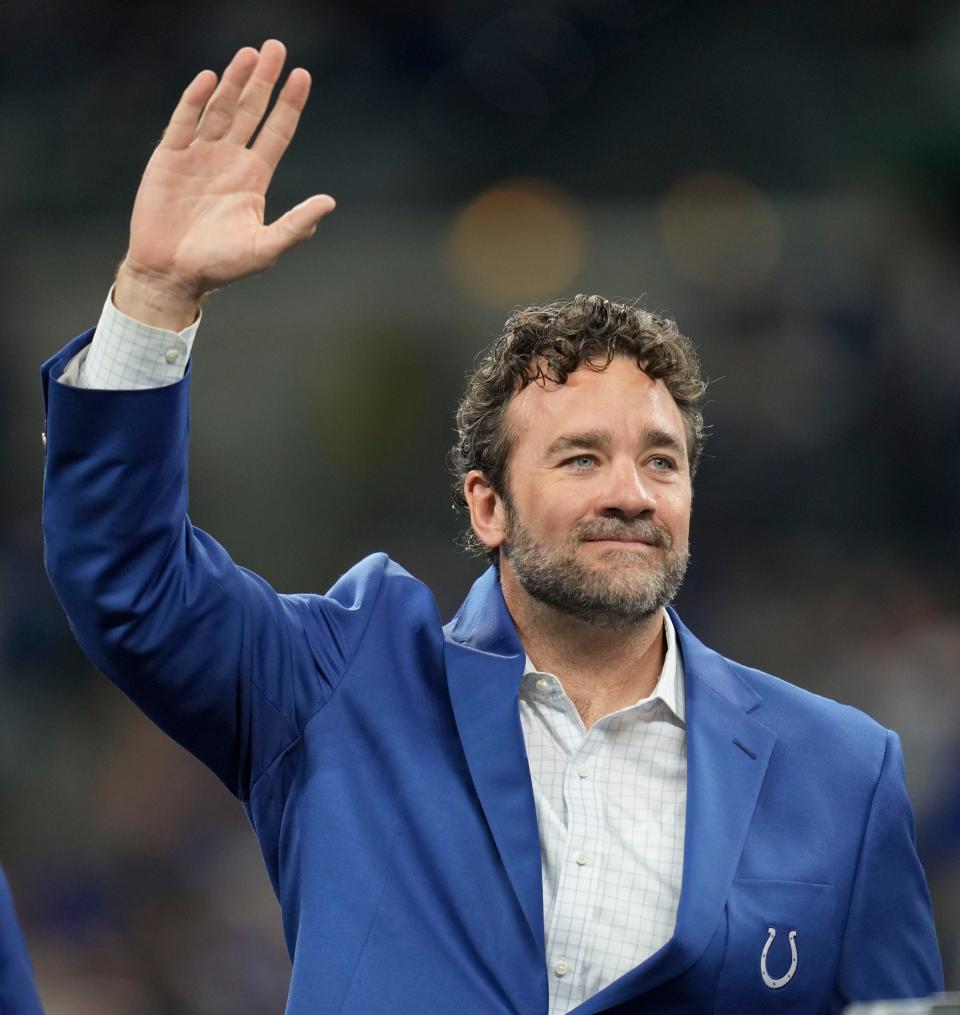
{"points": [[128, 355]]}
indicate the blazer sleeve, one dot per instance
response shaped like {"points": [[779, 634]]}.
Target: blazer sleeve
{"points": [[208, 650], [889, 948], [18, 994]]}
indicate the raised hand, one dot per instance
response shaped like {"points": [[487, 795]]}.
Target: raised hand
{"points": [[197, 221]]}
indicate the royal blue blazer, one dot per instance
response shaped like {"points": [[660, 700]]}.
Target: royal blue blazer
{"points": [[380, 759], [18, 994]]}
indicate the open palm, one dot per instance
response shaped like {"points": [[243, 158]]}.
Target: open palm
{"points": [[198, 217]]}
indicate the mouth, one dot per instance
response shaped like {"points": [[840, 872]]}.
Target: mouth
{"points": [[622, 542], [638, 538]]}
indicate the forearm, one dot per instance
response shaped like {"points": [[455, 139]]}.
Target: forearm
{"points": [[151, 605], [208, 650], [155, 300]]}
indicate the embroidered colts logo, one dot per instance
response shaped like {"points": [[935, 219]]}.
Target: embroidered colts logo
{"points": [[776, 982]]}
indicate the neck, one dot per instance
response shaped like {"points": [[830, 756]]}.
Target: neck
{"points": [[601, 669]]}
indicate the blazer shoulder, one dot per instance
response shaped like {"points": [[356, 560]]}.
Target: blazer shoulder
{"points": [[377, 577], [377, 597], [816, 723]]}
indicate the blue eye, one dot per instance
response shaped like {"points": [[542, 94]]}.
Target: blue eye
{"points": [[661, 464], [582, 462]]}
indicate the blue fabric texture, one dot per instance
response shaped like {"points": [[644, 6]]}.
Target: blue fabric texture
{"points": [[381, 761], [18, 994]]}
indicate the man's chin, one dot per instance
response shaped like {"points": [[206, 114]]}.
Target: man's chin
{"points": [[610, 597], [611, 612], [619, 581]]}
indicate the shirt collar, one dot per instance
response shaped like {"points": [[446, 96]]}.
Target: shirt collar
{"points": [[670, 684]]}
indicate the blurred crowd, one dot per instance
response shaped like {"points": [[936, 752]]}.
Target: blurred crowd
{"points": [[784, 179]]}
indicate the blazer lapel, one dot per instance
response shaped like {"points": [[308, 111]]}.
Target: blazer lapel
{"points": [[484, 662], [727, 755]]}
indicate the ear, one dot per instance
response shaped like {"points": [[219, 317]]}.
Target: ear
{"points": [[488, 516]]}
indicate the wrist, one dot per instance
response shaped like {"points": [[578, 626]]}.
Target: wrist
{"points": [[155, 300]]}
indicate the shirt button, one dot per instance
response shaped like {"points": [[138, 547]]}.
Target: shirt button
{"points": [[583, 771], [562, 968], [171, 355], [543, 683], [581, 858]]}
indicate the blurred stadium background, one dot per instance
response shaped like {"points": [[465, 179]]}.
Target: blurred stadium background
{"points": [[783, 178]]}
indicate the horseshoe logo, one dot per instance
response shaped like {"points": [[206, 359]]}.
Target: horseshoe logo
{"points": [[775, 983]]}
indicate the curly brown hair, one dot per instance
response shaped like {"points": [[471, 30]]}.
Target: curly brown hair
{"points": [[548, 343]]}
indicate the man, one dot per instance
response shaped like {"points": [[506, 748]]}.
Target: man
{"points": [[562, 800]]}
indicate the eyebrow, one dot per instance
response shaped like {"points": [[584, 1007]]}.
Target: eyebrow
{"points": [[595, 440]]}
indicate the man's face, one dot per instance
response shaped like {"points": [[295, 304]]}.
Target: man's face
{"points": [[597, 512]]}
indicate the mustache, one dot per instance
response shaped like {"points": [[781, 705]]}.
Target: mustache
{"points": [[616, 528]]}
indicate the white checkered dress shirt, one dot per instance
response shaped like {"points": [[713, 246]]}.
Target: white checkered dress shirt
{"points": [[611, 806], [127, 355], [611, 802]]}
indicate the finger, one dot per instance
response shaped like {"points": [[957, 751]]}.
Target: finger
{"points": [[218, 115], [281, 124], [182, 128], [297, 225], [256, 95]]}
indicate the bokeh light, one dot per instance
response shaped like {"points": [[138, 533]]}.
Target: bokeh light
{"points": [[519, 241], [721, 231]]}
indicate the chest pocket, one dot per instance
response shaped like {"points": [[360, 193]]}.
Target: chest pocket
{"points": [[782, 945]]}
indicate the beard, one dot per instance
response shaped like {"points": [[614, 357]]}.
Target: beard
{"points": [[612, 597]]}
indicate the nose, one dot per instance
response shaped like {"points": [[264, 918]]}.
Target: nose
{"points": [[627, 494]]}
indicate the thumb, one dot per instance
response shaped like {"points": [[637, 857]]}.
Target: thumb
{"points": [[295, 226]]}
